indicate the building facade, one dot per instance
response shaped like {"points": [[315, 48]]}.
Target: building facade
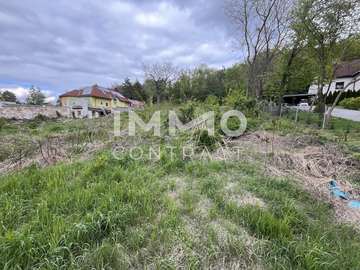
{"points": [[94, 101], [344, 75]]}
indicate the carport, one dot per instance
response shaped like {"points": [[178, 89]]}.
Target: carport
{"points": [[295, 99]]}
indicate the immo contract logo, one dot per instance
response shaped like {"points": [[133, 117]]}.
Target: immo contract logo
{"points": [[205, 121]]}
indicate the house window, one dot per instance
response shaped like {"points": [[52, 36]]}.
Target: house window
{"points": [[339, 85], [107, 104]]}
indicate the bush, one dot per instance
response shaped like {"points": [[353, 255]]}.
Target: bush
{"points": [[212, 100], [37, 120], [187, 112], [233, 124], [351, 103], [204, 140], [41, 118], [239, 101], [3, 123]]}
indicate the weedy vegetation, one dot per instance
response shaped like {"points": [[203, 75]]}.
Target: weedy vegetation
{"points": [[102, 212]]}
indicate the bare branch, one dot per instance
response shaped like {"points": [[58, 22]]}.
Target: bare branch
{"points": [[161, 74], [264, 26]]}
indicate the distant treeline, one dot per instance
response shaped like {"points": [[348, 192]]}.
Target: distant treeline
{"points": [[201, 82]]}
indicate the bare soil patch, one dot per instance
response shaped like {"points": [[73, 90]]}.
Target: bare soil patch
{"points": [[311, 163]]}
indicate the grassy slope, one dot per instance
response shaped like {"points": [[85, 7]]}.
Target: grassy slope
{"points": [[118, 214]]}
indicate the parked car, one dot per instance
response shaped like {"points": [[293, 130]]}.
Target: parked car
{"points": [[304, 106]]}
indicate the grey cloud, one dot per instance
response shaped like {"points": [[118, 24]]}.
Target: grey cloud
{"points": [[66, 44]]}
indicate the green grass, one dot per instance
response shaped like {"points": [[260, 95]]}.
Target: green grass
{"points": [[302, 230], [338, 127], [116, 214], [107, 213], [343, 132]]}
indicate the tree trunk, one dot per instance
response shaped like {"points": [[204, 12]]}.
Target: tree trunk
{"points": [[286, 74], [250, 81], [259, 87], [321, 96], [158, 99], [158, 92], [327, 116]]}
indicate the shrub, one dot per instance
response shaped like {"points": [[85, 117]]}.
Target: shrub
{"points": [[319, 108], [3, 123], [37, 120], [187, 112], [351, 103], [204, 140], [212, 100], [238, 100], [233, 124], [41, 118]]}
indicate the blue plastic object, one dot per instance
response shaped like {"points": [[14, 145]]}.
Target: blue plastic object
{"points": [[337, 192], [354, 204]]}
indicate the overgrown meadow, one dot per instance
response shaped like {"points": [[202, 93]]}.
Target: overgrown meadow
{"points": [[97, 211]]}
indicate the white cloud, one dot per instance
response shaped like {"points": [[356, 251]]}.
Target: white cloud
{"points": [[60, 45], [121, 8], [51, 100], [150, 20], [164, 15], [22, 93]]}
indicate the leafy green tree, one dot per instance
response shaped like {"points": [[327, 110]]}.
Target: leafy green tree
{"points": [[352, 45], [8, 96], [139, 93], [35, 97], [302, 73], [206, 81], [216, 83], [235, 77], [127, 88], [161, 74], [325, 23], [182, 88], [150, 90], [198, 84], [131, 90], [291, 74]]}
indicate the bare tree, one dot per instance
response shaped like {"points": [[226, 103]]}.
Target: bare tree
{"points": [[264, 27], [161, 74]]}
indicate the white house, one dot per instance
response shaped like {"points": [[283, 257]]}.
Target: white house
{"points": [[344, 74]]}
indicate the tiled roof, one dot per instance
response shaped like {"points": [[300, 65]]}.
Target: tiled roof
{"points": [[348, 69], [136, 103], [96, 91]]}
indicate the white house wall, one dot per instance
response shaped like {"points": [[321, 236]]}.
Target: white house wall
{"points": [[73, 102], [313, 89]]}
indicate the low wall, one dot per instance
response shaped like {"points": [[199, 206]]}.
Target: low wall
{"points": [[30, 112]]}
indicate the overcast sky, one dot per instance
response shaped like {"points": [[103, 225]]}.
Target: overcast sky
{"points": [[65, 44]]}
